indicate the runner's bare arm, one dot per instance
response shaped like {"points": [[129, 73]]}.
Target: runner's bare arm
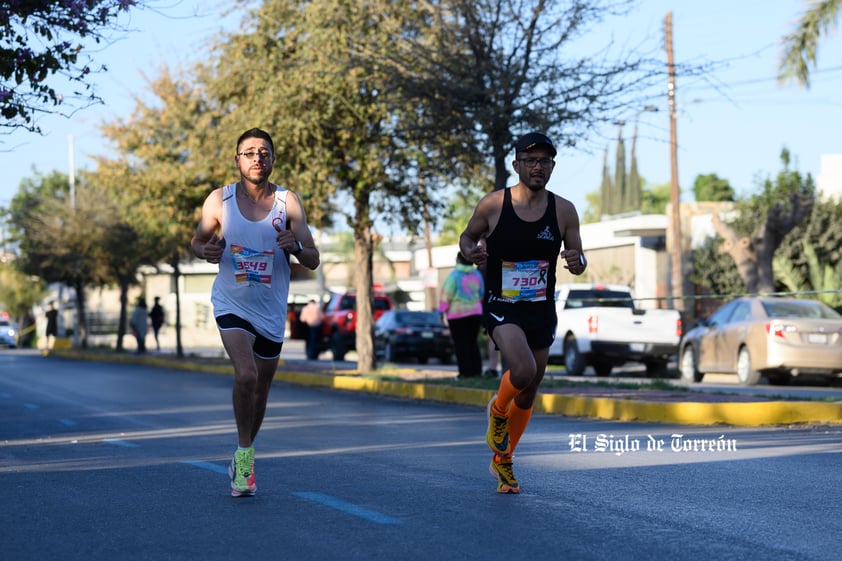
{"points": [[482, 222], [206, 243], [568, 223], [300, 232]]}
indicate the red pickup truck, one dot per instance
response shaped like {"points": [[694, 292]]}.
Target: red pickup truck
{"points": [[339, 333]]}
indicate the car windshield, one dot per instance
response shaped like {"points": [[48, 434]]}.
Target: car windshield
{"points": [[417, 318], [601, 298], [799, 309]]}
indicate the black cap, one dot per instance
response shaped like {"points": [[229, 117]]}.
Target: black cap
{"points": [[531, 140]]}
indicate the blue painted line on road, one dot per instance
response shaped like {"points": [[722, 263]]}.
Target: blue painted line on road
{"points": [[123, 443], [68, 422], [31, 405], [207, 465], [348, 508]]}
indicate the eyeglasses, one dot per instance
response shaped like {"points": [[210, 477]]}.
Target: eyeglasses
{"points": [[251, 154], [543, 162]]}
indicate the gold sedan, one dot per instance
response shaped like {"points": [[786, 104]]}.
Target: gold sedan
{"points": [[764, 336]]}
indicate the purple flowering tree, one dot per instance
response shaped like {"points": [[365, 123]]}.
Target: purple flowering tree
{"points": [[43, 67]]}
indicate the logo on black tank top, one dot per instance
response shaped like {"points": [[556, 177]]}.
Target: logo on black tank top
{"points": [[546, 234]]}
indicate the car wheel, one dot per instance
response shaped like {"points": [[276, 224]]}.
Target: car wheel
{"points": [[337, 346], [574, 362], [746, 374], [446, 359], [689, 370], [422, 359]]}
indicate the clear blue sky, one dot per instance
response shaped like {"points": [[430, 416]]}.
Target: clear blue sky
{"points": [[733, 124]]}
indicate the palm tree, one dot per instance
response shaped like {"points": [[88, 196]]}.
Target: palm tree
{"points": [[800, 46]]}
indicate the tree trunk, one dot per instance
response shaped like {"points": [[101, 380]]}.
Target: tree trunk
{"points": [[82, 323], [363, 250], [741, 251], [124, 305], [753, 255], [176, 273]]}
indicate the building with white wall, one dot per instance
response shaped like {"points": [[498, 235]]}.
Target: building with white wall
{"points": [[829, 179]]}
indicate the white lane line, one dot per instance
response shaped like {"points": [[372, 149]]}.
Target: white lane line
{"points": [[348, 508], [207, 465]]}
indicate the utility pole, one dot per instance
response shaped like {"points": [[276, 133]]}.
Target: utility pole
{"points": [[675, 193], [429, 283]]}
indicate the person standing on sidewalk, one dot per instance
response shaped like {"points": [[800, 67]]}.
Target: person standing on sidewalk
{"points": [[461, 303], [250, 228], [525, 227], [156, 316], [52, 326], [312, 316], [139, 324]]}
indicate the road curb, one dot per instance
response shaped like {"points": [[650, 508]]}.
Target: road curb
{"points": [[751, 414]]}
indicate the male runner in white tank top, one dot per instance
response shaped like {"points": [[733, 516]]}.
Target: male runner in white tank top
{"points": [[250, 228]]}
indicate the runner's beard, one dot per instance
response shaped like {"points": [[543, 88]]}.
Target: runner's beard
{"points": [[537, 186]]}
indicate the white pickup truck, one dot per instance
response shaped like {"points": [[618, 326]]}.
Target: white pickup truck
{"points": [[599, 326]]}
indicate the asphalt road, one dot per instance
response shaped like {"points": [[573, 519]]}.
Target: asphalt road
{"points": [[122, 462]]}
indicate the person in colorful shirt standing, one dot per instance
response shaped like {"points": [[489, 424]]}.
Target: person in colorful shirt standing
{"points": [[461, 303]]}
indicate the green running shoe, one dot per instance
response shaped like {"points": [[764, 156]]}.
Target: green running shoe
{"points": [[241, 472]]}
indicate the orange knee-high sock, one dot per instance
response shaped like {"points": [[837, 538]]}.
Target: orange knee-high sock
{"points": [[506, 394], [518, 419]]}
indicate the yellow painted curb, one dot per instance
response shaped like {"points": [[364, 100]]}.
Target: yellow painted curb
{"points": [[408, 390], [752, 414]]}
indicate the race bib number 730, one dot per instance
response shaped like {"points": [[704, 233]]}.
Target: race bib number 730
{"points": [[525, 281]]}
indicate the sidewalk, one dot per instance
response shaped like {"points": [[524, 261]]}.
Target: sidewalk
{"points": [[581, 400]]}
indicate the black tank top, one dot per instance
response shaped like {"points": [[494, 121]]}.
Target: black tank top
{"points": [[522, 256]]}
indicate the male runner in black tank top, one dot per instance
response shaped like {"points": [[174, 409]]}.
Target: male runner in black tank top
{"points": [[517, 234]]}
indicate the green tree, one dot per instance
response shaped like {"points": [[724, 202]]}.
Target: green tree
{"points": [[349, 135], [822, 282], [19, 292], [606, 189], [711, 187], [62, 238], [459, 208], [714, 270], [43, 40], [489, 70], [635, 183], [810, 258], [619, 188], [654, 200], [764, 221], [802, 44], [170, 155]]}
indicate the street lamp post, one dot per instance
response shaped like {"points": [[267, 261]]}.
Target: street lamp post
{"points": [[675, 194]]}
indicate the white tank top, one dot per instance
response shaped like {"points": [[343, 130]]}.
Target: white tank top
{"points": [[253, 278]]}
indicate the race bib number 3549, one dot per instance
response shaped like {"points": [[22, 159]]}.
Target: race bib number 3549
{"points": [[525, 281], [251, 266]]}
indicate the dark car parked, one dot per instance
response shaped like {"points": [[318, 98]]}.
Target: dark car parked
{"points": [[404, 334]]}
